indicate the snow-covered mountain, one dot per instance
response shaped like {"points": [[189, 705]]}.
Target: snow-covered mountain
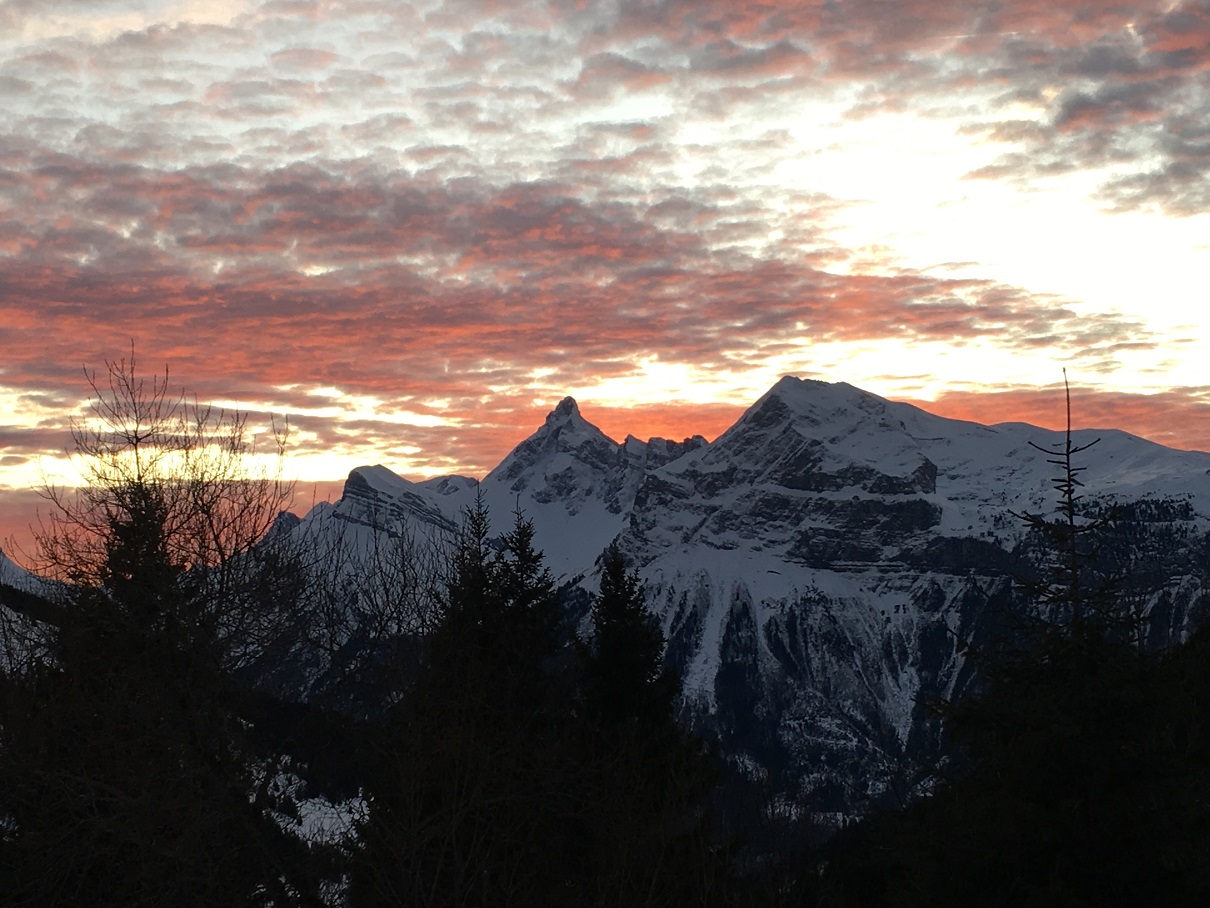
{"points": [[817, 566]]}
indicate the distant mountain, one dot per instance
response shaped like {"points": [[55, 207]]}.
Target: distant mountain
{"points": [[819, 566], [12, 574]]}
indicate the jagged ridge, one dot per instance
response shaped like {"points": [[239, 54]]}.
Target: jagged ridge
{"points": [[814, 566]]}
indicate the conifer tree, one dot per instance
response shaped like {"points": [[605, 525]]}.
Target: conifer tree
{"points": [[650, 779], [473, 798], [129, 777], [1067, 598], [625, 678]]}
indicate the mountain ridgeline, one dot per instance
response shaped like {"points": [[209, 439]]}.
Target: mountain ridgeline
{"points": [[821, 569], [847, 654]]}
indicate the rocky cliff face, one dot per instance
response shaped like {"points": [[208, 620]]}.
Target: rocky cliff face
{"points": [[819, 567]]}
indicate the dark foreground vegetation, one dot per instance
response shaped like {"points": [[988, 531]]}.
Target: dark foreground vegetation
{"points": [[198, 687]]}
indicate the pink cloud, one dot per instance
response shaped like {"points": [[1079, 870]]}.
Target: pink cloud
{"points": [[529, 273], [373, 219]]}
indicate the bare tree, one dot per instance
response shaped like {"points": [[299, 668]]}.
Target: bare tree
{"points": [[373, 592], [133, 773], [145, 453]]}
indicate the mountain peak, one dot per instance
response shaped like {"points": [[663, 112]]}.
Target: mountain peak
{"points": [[565, 432], [376, 478], [566, 411], [811, 390]]}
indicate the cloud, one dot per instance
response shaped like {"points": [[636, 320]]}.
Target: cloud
{"points": [[489, 204], [303, 59], [247, 272], [1125, 88], [1131, 99], [730, 60], [604, 73]]}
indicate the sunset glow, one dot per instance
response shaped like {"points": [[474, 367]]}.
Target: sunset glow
{"points": [[411, 229]]}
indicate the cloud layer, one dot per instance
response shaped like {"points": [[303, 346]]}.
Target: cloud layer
{"points": [[414, 227]]}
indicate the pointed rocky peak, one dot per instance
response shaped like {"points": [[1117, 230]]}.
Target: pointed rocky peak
{"points": [[566, 418], [567, 411], [565, 433], [565, 421]]}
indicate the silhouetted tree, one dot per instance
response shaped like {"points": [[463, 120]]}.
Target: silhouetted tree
{"points": [[625, 678], [1067, 597], [473, 800], [650, 781], [130, 777]]}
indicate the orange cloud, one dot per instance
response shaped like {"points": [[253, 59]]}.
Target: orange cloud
{"points": [[459, 291], [474, 205]]}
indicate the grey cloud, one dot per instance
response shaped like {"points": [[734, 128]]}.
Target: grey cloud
{"points": [[727, 58], [1106, 106], [11, 86]]}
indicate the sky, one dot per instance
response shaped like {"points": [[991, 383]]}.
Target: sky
{"points": [[411, 229]]}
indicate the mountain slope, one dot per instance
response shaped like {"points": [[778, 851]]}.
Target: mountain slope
{"points": [[817, 567]]}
